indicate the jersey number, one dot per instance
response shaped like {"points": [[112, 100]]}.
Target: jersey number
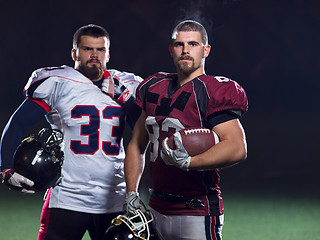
{"points": [[92, 130], [157, 133]]}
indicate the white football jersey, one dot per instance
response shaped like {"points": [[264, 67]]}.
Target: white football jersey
{"points": [[93, 124]]}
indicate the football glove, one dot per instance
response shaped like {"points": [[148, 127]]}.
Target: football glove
{"points": [[133, 203], [178, 157], [16, 181], [113, 87]]}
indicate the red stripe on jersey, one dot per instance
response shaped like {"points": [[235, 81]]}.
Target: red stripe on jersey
{"points": [[45, 217], [42, 104]]}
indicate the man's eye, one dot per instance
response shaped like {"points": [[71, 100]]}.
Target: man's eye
{"points": [[178, 44], [194, 44]]}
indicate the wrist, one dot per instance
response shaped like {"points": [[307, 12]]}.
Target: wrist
{"points": [[186, 165], [6, 174], [131, 193]]}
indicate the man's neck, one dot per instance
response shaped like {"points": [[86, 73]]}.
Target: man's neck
{"points": [[185, 78]]}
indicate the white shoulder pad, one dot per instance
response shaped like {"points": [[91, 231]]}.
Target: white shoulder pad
{"points": [[46, 72], [60, 72]]}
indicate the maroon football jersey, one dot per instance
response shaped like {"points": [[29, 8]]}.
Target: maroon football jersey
{"points": [[170, 108]]}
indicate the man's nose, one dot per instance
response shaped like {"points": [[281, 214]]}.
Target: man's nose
{"points": [[185, 48], [94, 53]]}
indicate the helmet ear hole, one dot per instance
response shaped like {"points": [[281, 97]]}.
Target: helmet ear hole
{"points": [[40, 157]]}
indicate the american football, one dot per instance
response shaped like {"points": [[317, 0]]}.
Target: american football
{"points": [[195, 140]]}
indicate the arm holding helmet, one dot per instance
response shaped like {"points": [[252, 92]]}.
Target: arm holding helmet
{"points": [[27, 114], [134, 165]]}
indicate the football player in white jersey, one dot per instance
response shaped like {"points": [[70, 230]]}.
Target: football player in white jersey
{"points": [[74, 100]]}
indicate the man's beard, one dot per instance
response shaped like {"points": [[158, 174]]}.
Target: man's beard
{"points": [[186, 68], [93, 73]]}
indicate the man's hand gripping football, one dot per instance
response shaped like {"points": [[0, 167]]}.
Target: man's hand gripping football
{"points": [[178, 157]]}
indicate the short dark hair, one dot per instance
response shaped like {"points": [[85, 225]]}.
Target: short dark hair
{"points": [[89, 30], [191, 25]]}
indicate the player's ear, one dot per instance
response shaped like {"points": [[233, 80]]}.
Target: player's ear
{"points": [[108, 57], [74, 54], [207, 49], [170, 49]]}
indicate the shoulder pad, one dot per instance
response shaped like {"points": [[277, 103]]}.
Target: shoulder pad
{"points": [[125, 76]]}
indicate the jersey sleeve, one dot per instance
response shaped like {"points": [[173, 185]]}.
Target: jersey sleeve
{"points": [[226, 94], [142, 89], [138, 100], [42, 85], [28, 113]]}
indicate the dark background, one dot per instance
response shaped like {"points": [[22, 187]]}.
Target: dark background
{"points": [[271, 48]]}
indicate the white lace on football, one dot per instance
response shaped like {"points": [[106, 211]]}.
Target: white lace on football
{"points": [[202, 130], [197, 130]]}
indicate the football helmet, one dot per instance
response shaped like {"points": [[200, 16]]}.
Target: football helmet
{"points": [[136, 227], [39, 157]]}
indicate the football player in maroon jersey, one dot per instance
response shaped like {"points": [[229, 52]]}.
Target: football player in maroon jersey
{"points": [[185, 196]]}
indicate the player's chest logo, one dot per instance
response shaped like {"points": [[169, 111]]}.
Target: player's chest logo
{"points": [[166, 105]]}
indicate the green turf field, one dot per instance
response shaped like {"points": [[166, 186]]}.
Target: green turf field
{"points": [[266, 217], [259, 213]]}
